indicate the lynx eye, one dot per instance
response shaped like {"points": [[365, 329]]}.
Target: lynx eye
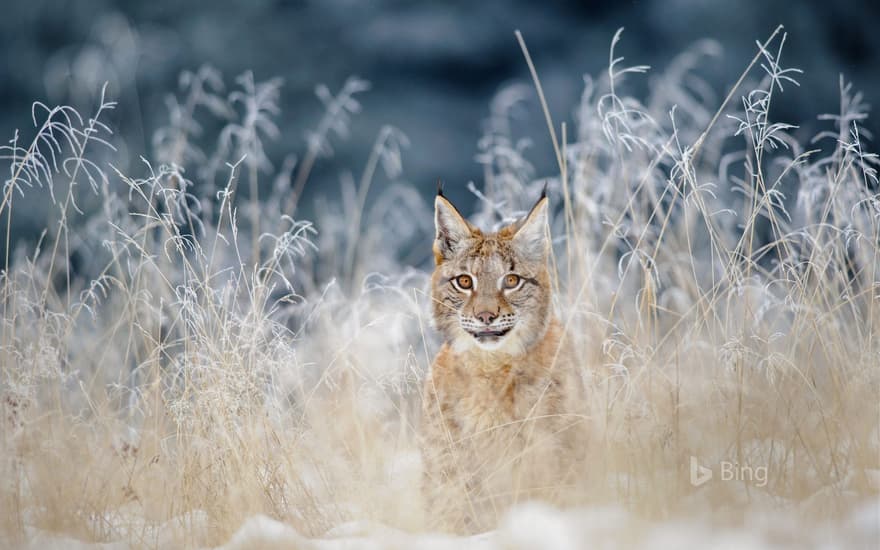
{"points": [[511, 281], [464, 282]]}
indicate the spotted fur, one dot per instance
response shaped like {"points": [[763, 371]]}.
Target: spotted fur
{"points": [[497, 419]]}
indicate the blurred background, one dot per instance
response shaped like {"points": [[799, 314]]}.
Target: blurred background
{"points": [[433, 67]]}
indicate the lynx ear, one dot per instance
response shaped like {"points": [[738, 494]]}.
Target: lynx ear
{"points": [[451, 228], [532, 236]]}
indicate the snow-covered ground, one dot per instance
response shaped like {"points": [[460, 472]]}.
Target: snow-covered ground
{"points": [[534, 526]]}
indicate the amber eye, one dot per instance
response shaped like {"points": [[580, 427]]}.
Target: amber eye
{"points": [[511, 281], [464, 282]]}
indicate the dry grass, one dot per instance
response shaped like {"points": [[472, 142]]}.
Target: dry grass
{"points": [[172, 367]]}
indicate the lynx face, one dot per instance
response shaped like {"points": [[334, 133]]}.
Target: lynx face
{"points": [[491, 291]]}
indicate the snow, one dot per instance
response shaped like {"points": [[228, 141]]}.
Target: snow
{"points": [[529, 526], [535, 525]]}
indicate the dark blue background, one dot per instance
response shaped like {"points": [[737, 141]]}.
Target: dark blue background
{"points": [[433, 65]]}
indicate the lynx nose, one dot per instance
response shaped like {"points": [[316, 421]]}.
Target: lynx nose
{"points": [[486, 316]]}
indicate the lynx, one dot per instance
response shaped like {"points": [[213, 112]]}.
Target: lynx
{"points": [[498, 419]]}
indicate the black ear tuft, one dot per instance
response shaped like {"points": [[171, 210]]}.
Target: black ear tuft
{"points": [[544, 191], [439, 187]]}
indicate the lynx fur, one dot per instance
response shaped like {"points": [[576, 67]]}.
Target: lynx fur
{"points": [[500, 421]]}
